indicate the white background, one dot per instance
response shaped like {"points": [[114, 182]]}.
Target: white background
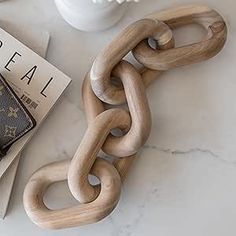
{"points": [[184, 180]]}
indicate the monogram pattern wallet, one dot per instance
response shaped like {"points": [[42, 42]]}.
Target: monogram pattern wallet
{"points": [[15, 119]]}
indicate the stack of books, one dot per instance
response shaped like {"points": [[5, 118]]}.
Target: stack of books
{"points": [[37, 83]]}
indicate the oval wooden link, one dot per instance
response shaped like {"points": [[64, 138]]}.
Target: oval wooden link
{"points": [[101, 126], [139, 131], [77, 215], [139, 111], [117, 49], [88, 149], [185, 55], [101, 199], [93, 107]]}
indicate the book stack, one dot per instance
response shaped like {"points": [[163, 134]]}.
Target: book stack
{"points": [[36, 82]]}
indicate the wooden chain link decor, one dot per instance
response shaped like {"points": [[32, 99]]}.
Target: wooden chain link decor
{"points": [[102, 87]]}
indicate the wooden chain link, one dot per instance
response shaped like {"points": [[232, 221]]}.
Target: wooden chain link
{"points": [[155, 59], [98, 90]]}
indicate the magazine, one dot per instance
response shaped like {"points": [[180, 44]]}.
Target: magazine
{"points": [[37, 39], [36, 82]]}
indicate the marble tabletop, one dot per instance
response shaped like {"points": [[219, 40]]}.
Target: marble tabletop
{"points": [[184, 180]]}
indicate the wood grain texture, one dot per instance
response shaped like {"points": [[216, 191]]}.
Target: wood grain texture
{"points": [[76, 215], [139, 131], [93, 107], [188, 54], [116, 50], [88, 149], [98, 88], [138, 106], [135, 38]]}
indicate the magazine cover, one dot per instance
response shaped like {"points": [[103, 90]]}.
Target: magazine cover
{"points": [[36, 82], [37, 39]]}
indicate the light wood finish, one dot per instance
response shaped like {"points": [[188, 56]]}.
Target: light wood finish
{"points": [[137, 34], [100, 126], [88, 149], [207, 48], [149, 75], [123, 166], [138, 106], [76, 215], [93, 107], [139, 110], [116, 50], [98, 201]]}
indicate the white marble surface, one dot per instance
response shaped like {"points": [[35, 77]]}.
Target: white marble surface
{"points": [[184, 181]]}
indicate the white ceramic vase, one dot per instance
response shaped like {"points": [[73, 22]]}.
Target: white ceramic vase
{"points": [[89, 16]]}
